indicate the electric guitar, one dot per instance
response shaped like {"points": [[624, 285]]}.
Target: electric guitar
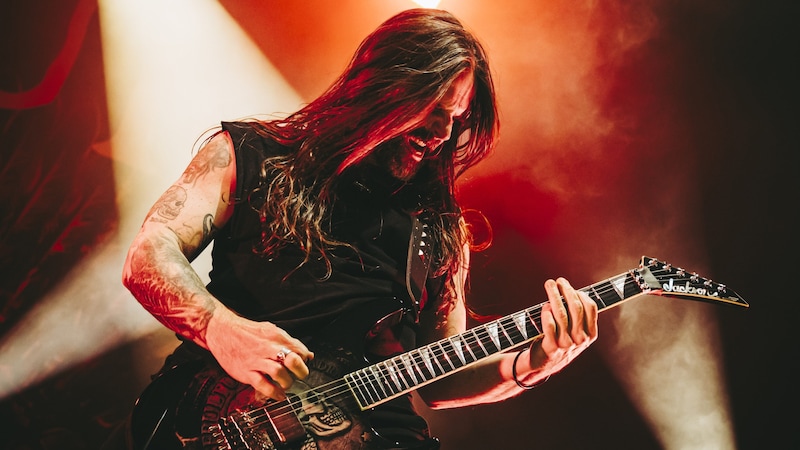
{"points": [[197, 406]]}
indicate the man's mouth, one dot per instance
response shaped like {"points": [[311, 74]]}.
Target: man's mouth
{"points": [[420, 146]]}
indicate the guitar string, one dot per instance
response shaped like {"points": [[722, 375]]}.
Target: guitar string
{"points": [[278, 409], [340, 387]]}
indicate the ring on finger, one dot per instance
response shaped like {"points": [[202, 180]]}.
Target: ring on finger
{"points": [[282, 354]]}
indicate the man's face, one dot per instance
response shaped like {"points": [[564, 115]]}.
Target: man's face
{"points": [[425, 133]]}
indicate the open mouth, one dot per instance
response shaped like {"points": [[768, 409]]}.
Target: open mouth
{"points": [[420, 146]]}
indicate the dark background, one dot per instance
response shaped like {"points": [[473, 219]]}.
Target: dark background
{"points": [[666, 128]]}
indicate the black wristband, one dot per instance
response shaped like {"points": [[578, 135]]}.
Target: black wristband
{"points": [[516, 379]]}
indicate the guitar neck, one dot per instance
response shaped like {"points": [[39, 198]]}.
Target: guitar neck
{"points": [[401, 374]]}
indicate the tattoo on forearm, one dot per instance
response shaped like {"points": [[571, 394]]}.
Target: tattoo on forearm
{"points": [[170, 290]]}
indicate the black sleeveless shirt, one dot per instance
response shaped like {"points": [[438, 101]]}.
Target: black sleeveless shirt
{"points": [[368, 214]]}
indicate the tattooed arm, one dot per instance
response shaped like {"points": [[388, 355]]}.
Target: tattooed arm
{"points": [[158, 273]]}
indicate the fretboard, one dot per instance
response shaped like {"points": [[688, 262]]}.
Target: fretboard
{"points": [[400, 374]]}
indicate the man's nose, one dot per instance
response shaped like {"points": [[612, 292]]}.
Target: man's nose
{"points": [[441, 126]]}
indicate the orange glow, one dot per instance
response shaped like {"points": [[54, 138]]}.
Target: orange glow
{"points": [[427, 3]]}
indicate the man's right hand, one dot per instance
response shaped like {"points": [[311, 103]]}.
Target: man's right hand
{"points": [[249, 352]]}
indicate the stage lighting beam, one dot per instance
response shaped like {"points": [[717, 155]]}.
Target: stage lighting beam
{"points": [[173, 69]]}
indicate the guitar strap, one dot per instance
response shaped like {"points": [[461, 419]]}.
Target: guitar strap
{"points": [[417, 264]]}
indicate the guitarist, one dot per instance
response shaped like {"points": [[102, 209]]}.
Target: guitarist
{"points": [[312, 218]]}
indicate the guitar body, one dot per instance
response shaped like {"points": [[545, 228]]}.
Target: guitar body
{"points": [[198, 406]]}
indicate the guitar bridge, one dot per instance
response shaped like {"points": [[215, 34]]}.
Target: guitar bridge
{"points": [[216, 438], [256, 429], [237, 432]]}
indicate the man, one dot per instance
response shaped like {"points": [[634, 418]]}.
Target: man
{"points": [[312, 218]]}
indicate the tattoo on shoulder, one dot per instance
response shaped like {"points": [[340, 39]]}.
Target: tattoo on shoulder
{"points": [[214, 156]]}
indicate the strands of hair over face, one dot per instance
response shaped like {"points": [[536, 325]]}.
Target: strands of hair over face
{"points": [[398, 72]]}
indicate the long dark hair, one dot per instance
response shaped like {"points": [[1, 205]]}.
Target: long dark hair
{"points": [[400, 70]]}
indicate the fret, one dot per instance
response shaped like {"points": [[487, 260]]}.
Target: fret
{"points": [[376, 383], [609, 294], [436, 359], [446, 357], [392, 368], [369, 385], [425, 353], [478, 340], [450, 354], [394, 374], [363, 392], [372, 383], [380, 378], [632, 287], [419, 364], [505, 326], [533, 319], [520, 322], [468, 346], [408, 368], [493, 334], [486, 339], [403, 371], [618, 283], [597, 299], [455, 341], [612, 291], [510, 331], [355, 388], [382, 375], [392, 382]]}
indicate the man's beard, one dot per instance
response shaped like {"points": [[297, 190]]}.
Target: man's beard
{"points": [[401, 160]]}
